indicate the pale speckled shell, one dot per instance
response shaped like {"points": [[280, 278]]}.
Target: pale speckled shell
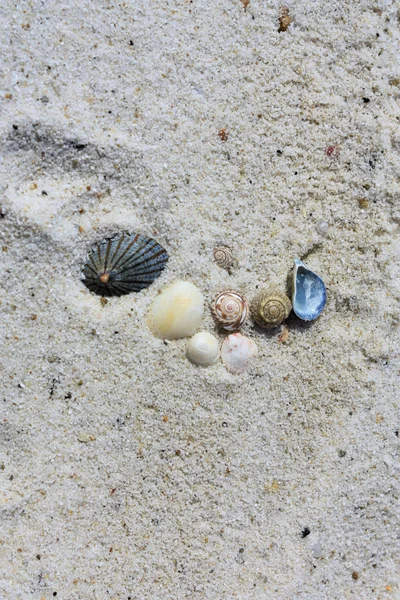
{"points": [[230, 310], [270, 307], [203, 349], [237, 352], [223, 257]]}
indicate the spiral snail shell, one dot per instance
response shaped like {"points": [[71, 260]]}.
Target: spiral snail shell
{"points": [[230, 310], [270, 307], [223, 256]]}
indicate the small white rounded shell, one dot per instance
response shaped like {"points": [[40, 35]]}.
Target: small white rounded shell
{"points": [[176, 312], [230, 310], [237, 352], [203, 349]]}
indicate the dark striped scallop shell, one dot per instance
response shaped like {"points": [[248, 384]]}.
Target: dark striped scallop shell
{"points": [[124, 264]]}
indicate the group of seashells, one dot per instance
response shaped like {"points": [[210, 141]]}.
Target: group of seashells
{"points": [[127, 263]]}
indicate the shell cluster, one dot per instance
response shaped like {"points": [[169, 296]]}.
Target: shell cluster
{"points": [[131, 262], [123, 264], [230, 310], [223, 256], [270, 307]]}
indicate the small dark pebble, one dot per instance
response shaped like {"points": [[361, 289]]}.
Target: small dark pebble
{"points": [[342, 453], [354, 575], [68, 396], [366, 100], [38, 556], [241, 550], [130, 43], [279, 151], [305, 532], [11, 477], [224, 424], [15, 127], [54, 593]]}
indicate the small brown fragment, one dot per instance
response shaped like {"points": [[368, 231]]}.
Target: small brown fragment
{"points": [[355, 575], [245, 4], [165, 418], [33, 317], [363, 203], [284, 19], [223, 134], [103, 301], [283, 337]]}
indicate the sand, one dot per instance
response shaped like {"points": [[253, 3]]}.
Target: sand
{"points": [[125, 471]]}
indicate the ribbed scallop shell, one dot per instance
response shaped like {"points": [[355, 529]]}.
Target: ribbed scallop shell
{"points": [[230, 310], [223, 257], [123, 264], [270, 307]]}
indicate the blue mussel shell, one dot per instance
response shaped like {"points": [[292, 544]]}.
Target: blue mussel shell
{"points": [[309, 292]]}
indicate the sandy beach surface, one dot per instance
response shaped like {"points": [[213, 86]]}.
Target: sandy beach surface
{"points": [[126, 472]]}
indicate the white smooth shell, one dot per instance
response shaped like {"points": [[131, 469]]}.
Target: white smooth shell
{"points": [[203, 349], [176, 312], [237, 352]]}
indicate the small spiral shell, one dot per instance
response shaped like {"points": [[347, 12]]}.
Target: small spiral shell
{"points": [[270, 307], [223, 257], [230, 310]]}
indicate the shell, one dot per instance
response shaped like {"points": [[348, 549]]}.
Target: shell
{"points": [[223, 257], [176, 312], [270, 307], [309, 292], [237, 352], [203, 349], [124, 263], [230, 310]]}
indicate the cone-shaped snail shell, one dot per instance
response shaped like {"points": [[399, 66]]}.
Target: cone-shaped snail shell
{"points": [[270, 307], [230, 310], [124, 263], [223, 257], [309, 292]]}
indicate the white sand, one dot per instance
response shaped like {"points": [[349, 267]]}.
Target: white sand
{"points": [[125, 471]]}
